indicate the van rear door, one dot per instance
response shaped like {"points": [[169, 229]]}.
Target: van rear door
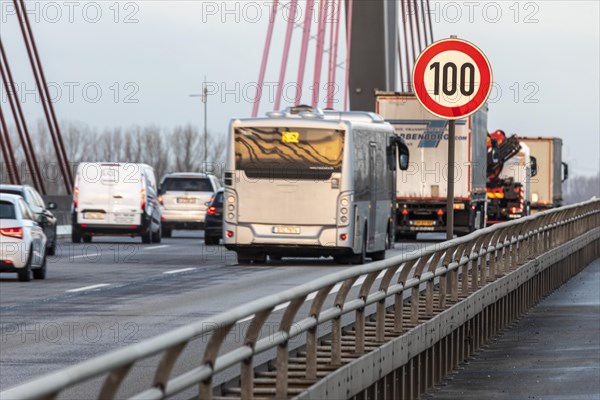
{"points": [[110, 194]]}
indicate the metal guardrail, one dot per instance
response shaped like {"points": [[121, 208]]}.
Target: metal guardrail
{"points": [[434, 280]]}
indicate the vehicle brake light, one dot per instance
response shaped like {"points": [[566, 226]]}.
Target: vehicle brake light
{"points": [[440, 212], [229, 234], [12, 232], [76, 194], [160, 200], [343, 236], [143, 198], [7, 262], [212, 210], [404, 211]]}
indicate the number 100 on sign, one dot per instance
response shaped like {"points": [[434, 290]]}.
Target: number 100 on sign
{"points": [[452, 78]]}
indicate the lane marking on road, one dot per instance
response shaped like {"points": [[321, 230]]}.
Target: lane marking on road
{"points": [[86, 255], [88, 288], [176, 271], [312, 295], [162, 246]]}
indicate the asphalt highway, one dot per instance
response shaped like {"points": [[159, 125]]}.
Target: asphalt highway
{"points": [[114, 292]]}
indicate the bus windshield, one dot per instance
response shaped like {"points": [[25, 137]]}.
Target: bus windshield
{"points": [[288, 153]]}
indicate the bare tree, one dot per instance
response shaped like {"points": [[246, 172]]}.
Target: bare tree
{"points": [[581, 188], [186, 149]]}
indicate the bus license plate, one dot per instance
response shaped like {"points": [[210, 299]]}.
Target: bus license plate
{"points": [[424, 223], [288, 230], [93, 215]]}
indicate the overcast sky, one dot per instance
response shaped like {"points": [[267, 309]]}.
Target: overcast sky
{"points": [[136, 62]]}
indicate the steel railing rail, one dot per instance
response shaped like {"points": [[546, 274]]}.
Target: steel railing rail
{"points": [[440, 275]]}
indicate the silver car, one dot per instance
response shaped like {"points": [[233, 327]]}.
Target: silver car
{"points": [[184, 197]]}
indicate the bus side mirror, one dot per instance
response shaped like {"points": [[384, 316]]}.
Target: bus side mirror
{"points": [[565, 171], [403, 156], [533, 166]]}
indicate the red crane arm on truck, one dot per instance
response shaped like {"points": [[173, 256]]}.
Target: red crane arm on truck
{"points": [[499, 150]]}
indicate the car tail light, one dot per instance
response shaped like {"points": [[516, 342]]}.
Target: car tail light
{"points": [[76, 194], [212, 210], [9, 262], [12, 232], [143, 198]]}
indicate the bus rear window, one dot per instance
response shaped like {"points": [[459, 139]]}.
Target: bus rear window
{"points": [[288, 153]]}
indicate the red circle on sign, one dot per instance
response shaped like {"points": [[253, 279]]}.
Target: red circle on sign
{"points": [[482, 64]]}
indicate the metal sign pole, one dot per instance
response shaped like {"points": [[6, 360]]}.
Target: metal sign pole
{"points": [[450, 198]]}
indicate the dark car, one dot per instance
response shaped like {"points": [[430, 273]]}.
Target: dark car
{"points": [[213, 224], [43, 216]]}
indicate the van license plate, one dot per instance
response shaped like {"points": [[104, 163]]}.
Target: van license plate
{"points": [[186, 200], [288, 230], [93, 215]]}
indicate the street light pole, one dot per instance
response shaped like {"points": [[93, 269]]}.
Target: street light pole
{"points": [[204, 99]]}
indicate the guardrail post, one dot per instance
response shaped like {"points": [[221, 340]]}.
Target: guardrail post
{"points": [[311, 334]]}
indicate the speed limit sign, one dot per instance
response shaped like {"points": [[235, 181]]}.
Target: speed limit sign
{"points": [[452, 78]]}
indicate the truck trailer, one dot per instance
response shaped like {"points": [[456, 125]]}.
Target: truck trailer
{"points": [[546, 186], [421, 192]]}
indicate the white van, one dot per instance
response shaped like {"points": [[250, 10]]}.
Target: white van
{"points": [[113, 198]]}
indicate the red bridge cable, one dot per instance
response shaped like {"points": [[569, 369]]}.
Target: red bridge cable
{"points": [[324, 5], [430, 25], [286, 52], [68, 177], [7, 152], [310, 5], [15, 106], [400, 66], [407, 59], [417, 25], [265, 58], [348, 48], [333, 50], [423, 12]]}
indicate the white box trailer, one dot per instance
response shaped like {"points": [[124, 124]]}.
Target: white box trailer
{"points": [[546, 186], [421, 191]]}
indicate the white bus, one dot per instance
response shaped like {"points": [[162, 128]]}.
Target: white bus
{"points": [[305, 183]]}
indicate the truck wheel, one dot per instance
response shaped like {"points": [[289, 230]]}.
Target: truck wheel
{"points": [[87, 239], [166, 232]]}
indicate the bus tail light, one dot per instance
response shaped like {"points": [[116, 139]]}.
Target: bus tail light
{"points": [[440, 212], [344, 209], [405, 211], [343, 236], [229, 234], [231, 216]]}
